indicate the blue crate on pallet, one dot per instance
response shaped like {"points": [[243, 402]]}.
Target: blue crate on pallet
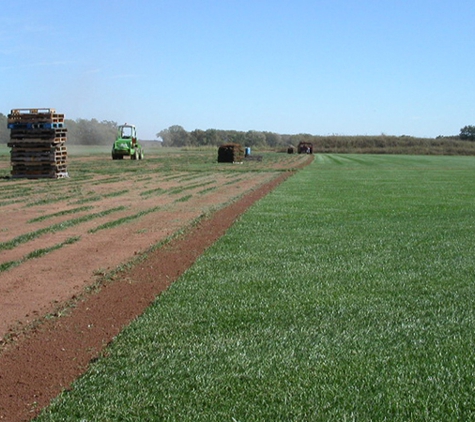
{"points": [[32, 126]]}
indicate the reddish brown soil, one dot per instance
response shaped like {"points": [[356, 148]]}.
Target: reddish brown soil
{"points": [[38, 286], [46, 357]]}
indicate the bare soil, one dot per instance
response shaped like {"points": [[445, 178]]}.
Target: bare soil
{"points": [[52, 324]]}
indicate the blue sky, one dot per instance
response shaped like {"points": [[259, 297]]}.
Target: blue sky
{"points": [[351, 67]]}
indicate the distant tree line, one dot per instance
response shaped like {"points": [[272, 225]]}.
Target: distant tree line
{"points": [[94, 132], [177, 136]]}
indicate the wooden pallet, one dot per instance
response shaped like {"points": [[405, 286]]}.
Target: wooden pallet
{"points": [[22, 111], [47, 167], [34, 156], [29, 115], [38, 133], [35, 125], [53, 175], [36, 143], [44, 157], [24, 152], [26, 148]]}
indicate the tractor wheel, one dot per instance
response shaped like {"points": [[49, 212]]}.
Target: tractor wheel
{"points": [[141, 155]]}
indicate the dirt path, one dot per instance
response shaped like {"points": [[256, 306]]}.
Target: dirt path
{"points": [[45, 360]]}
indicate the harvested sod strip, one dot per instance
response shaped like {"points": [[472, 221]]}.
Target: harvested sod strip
{"points": [[345, 294]]}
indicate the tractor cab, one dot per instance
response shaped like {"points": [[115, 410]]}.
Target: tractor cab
{"points": [[127, 131]]}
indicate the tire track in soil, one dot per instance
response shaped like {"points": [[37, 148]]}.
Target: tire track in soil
{"points": [[46, 360]]}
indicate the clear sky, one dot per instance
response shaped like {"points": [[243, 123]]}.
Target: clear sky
{"points": [[350, 67]]}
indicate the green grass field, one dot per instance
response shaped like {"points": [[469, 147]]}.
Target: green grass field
{"points": [[344, 295]]}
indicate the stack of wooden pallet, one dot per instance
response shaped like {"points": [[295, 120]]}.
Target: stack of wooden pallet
{"points": [[37, 142]]}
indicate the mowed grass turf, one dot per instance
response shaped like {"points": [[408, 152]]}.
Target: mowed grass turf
{"points": [[347, 294]]}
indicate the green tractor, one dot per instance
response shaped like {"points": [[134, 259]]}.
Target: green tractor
{"points": [[126, 144]]}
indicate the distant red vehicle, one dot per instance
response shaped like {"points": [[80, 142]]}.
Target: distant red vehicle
{"points": [[305, 148]]}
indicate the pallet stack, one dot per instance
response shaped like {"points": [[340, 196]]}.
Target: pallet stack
{"points": [[37, 142]]}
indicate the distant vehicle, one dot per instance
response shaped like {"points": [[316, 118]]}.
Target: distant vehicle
{"points": [[126, 144], [305, 148]]}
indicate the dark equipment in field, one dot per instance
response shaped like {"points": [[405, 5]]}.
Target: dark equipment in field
{"points": [[253, 158], [230, 153], [305, 148]]}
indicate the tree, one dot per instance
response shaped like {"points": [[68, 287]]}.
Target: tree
{"points": [[174, 136], [467, 133], [233, 137], [212, 137], [197, 137], [4, 132], [254, 138], [273, 139]]}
